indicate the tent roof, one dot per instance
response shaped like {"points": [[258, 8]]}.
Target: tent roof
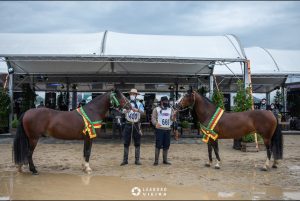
{"points": [[121, 44], [269, 68], [117, 53]]}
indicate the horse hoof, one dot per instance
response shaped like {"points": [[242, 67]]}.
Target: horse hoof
{"points": [[35, 173], [217, 167], [88, 170], [274, 166], [207, 165], [264, 169]]}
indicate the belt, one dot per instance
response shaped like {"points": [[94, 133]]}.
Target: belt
{"points": [[128, 122]]}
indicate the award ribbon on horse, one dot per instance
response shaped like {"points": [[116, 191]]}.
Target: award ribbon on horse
{"points": [[89, 126], [208, 132]]}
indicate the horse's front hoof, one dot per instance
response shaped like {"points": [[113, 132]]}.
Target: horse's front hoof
{"points": [[274, 166], [207, 165]]}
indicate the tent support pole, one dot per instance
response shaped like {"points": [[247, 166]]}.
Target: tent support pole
{"points": [[283, 92], [74, 97], [211, 86], [248, 83], [176, 92], [68, 93], [11, 95]]}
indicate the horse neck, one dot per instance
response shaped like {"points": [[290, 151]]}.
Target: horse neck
{"points": [[99, 106], [204, 109]]}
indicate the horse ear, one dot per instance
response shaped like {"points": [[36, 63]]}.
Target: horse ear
{"points": [[190, 90]]}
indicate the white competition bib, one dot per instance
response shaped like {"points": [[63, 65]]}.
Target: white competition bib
{"points": [[133, 116], [164, 117]]}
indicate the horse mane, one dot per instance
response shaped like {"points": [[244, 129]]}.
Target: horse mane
{"points": [[205, 98]]}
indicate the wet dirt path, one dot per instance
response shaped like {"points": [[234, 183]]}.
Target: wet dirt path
{"points": [[187, 178]]}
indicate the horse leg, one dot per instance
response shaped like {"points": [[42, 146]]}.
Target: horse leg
{"points": [[19, 168], [209, 149], [32, 145], [86, 154], [215, 146], [275, 164], [269, 153]]}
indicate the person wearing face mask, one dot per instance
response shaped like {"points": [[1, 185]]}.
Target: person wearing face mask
{"points": [[162, 118], [132, 127], [263, 104]]}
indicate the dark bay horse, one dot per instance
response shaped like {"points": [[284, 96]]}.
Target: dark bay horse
{"points": [[237, 124], [67, 125]]}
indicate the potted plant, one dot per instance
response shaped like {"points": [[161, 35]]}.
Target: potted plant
{"points": [[184, 125]]}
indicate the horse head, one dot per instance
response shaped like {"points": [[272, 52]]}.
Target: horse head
{"points": [[118, 100], [187, 101]]}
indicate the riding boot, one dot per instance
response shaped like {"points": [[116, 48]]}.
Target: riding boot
{"points": [[165, 157], [157, 150], [125, 157], [137, 155]]}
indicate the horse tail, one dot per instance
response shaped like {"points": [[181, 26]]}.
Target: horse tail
{"points": [[277, 142], [21, 144]]}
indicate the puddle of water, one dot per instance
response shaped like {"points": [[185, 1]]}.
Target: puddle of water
{"points": [[294, 167], [88, 187], [226, 194], [292, 195]]}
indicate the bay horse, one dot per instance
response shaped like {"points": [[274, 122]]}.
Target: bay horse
{"points": [[234, 125], [78, 124]]}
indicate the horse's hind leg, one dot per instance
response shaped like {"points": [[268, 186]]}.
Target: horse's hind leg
{"points": [[86, 154], [209, 149], [269, 153], [32, 145], [215, 146]]}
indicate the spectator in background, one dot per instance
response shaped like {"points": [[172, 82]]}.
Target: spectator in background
{"points": [[263, 104], [41, 105]]}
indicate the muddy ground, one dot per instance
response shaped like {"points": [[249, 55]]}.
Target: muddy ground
{"points": [[61, 176]]}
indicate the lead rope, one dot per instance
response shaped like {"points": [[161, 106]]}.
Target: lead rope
{"points": [[131, 139]]}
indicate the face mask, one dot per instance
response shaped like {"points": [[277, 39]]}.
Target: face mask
{"points": [[263, 102], [132, 97], [165, 104]]}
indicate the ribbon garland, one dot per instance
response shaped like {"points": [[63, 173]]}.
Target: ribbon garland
{"points": [[208, 132], [89, 126]]}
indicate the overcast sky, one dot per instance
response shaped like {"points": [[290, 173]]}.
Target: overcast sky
{"points": [[267, 24]]}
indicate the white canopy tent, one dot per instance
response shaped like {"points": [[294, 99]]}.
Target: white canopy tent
{"points": [[105, 56], [269, 69]]}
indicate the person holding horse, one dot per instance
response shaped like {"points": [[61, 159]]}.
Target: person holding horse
{"points": [[132, 127], [162, 118]]}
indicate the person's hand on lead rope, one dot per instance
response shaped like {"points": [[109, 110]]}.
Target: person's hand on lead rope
{"points": [[157, 125]]}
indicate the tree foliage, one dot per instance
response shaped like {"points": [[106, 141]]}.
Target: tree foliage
{"points": [[218, 99], [28, 98], [4, 104], [243, 98]]}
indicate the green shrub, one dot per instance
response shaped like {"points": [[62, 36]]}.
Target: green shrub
{"points": [[15, 123], [218, 99], [4, 104], [184, 124], [250, 138]]}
